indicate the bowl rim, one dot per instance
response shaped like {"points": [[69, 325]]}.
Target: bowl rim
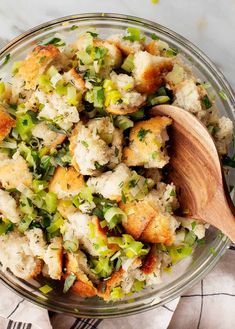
{"points": [[212, 260]]}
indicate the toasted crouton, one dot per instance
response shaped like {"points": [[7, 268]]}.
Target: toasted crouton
{"points": [[50, 138], [8, 207], [139, 215], [6, 123], [53, 258], [147, 142], [150, 261], [66, 182], [16, 255], [149, 71], [75, 78], [36, 64], [82, 286], [14, 172], [114, 53], [152, 48], [126, 46]]}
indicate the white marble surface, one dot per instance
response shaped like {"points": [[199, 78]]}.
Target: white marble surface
{"points": [[210, 24]]}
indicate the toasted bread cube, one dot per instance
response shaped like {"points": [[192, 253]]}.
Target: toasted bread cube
{"points": [[6, 123], [75, 78], [149, 71], [16, 255], [82, 286], [126, 46], [147, 142], [66, 182], [14, 172], [150, 261], [8, 207], [114, 53], [36, 64], [50, 138], [152, 48], [53, 258], [224, 135]]}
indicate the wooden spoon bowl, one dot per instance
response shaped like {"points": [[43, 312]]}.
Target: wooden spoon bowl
{"points": [[195, 169]]}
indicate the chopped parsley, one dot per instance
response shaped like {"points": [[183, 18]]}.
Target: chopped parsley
{"points": [[142, 134], [123, 198], [154, 36], [206, 102], [133, 34], [74, 27], [154, 155], [55, 41]]}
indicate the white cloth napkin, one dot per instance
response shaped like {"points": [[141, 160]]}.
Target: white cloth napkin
{"points": [[208, 305]]}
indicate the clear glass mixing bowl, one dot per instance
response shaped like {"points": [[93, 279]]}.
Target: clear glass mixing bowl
{"points": [[187, 272]]}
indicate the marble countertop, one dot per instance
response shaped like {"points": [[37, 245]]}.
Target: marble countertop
{"points": [[209, 24]]}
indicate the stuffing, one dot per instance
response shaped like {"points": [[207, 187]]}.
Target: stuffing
{"points": [[148, 221], [96, 144], [56, 109], [224, 135], [16, 255], [149, 71], [121, 278], [147, 143], [130, 99], [53, 258], [110, 183], [50, 138], [82, 286], [199, 229], [66, 182], [75, 79], [66, 208], [177, 75], [8, 207], [86, 231], [14, 172], [37, 242], [36, 64], [166, 193], [126, 46], [6, 123]]}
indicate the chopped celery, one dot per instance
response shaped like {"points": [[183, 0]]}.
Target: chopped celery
{"points": [[56, 223], [179, 252], [114, 216], [159, 100], [24, 125], [133, 34], [51, 202], [98, 96], [116, 293], [108, 85], [44, 83], [45, 289], [128, 64], [102, 267], [112, 97], [24, 224], [84, 57], [61, 89], [69, 281], [86, 194], [39, 185], [72, 96], [123, 122], [30, 156], [52, 71]]}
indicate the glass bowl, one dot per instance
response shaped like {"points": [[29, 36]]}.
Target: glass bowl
{"points": [[187, 272]]}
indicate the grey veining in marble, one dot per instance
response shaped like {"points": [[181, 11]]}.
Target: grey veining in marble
{"points": [[209, 24]]}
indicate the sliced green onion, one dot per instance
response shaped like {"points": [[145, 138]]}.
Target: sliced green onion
{"points": [[24, 224], [69, 281], [39, 185], [123, 122], [26, 205], [223, 95], [56, 224], [24, 125], [98, 96], [45, 289], [84, 57], [51, 202], [114, 216], [8, 145], [2, 88], [108, 85], [138, 285], [52, 71], [138, 115], [128, 64], [206, 101], [112, 97], [116, 293], [159, 100], [190, 238], [6, 227], [72, 97]]}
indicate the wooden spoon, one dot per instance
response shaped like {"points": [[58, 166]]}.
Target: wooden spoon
{"points": [[196, 170]]}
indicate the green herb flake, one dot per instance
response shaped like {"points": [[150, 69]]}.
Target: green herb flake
{"points": [[154, 155], [212, 251], [201, 242], [74, 27], [93, 34], [69, 282], [123, 198], [85, 144], [45, 289], [133, 34], [6, 59], [193, 225], [56, 42], [223, 95], [171, 52], [142, 134], [206, 102], [154, 36]]}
